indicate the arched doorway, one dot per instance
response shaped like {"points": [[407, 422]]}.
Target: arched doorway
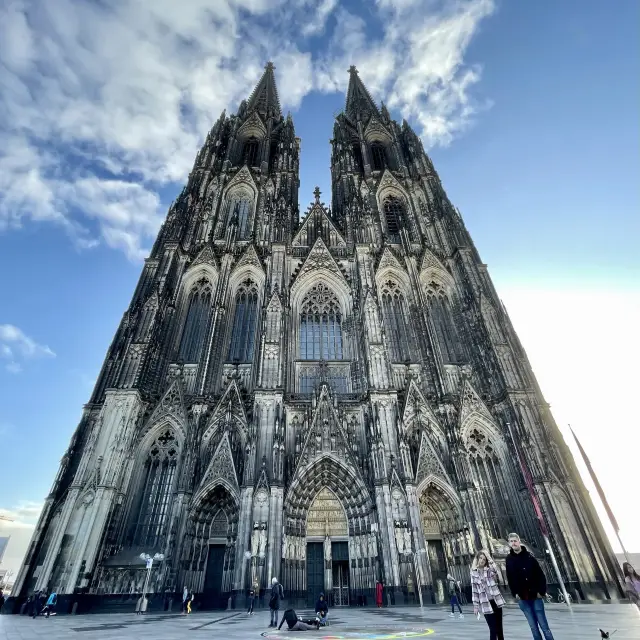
{"points": [[209, 547], [446, 542], [327, 549]]}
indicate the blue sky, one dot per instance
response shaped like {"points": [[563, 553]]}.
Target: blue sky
{"points": [[529, 111]]}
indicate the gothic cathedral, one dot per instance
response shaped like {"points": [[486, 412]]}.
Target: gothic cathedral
{"points": [[333, 399]]}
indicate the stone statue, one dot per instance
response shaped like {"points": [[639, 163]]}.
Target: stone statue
{"points": [[327, 549], [399, 540], [284, 545], [255, 540], [373, 551], [407, 541], [262, 540]]}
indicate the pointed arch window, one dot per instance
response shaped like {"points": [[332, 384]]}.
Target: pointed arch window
{"points": [[394, 214], [444, 327], [156, 488], [321, 325], [239, 214], [496, 492], [357, 156], [245, 316], [250, 152], [378, 156], [197, 322], [396, 321]]}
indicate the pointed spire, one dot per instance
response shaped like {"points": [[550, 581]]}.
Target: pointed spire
{"points": [[359, 100], [265, 96]]}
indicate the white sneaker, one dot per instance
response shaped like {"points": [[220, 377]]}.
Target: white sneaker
{"points": [[452, 615], [460, 616]]}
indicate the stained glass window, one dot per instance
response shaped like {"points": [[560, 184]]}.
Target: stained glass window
{"points": [[197, 321], [156, 490], [321, 325], [395, 314], [245, 316]]}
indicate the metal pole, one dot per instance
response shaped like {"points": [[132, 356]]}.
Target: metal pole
{"points": [[529, 482]]}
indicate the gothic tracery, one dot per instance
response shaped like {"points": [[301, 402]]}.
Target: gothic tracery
{"points": [[327, 401]]}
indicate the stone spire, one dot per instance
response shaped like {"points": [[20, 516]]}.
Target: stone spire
{"points": [[264, 98], [360, 104]]}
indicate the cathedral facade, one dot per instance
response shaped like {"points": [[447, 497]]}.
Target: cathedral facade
{"points": [[333, 399]]}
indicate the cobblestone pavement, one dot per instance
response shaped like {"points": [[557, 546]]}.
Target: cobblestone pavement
{"points": [[346, 624]]}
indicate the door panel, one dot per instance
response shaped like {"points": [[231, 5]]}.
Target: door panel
{"points": [[212, 593], [438, 564], [315, 571]]}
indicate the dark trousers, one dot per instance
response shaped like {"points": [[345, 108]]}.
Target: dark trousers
{"points": [[250, 609], [494, 620], [454, 602]]}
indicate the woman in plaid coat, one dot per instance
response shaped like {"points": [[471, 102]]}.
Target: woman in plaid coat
{"points": [[487, 598]]}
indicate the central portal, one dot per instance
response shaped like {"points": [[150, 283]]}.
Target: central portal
{"points": [[327, 550]]}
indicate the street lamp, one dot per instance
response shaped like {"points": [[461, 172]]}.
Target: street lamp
{"points": [[159, 557]]}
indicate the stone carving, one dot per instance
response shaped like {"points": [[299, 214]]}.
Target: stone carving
{"points": [[326, 516], [320, 258], [327, 549]]}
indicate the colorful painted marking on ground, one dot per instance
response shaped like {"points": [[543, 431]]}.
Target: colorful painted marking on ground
{"points": [[356, 634]]}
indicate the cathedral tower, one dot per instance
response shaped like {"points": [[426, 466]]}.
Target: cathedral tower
{"points": [[326, 398]]}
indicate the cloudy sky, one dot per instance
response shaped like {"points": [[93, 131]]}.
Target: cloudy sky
{"points": [[529, 111]]}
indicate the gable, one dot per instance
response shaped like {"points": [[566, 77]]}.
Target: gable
{"points": [[221, 466], [320, 258], [318, 215], [429, 463]]}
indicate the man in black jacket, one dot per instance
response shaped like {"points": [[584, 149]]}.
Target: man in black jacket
{"points": [[322, 610], [294, 623], [529, 585]]}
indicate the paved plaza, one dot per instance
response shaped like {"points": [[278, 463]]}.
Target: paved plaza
{"points": [[346, 624]]}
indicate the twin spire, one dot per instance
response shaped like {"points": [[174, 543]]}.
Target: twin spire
{"points": [[264, 98]]}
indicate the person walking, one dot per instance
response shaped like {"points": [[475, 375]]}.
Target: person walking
{"points": [[528, 585], [454, 589], [277, 593], [487, 598], [189, 601], [50, 606], [632, 583]]}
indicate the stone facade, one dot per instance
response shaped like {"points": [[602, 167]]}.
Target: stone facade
{"points": [[323, 398]]}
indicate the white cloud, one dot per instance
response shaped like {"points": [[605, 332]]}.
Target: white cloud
{"points": [[19, 529], [17, 347], [417, 67], [104, 104], [588, 373]]}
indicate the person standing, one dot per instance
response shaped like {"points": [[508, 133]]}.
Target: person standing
{"points": [[454, 589], [632, 583], [487, 598], [528, 585], [185, 598], [250, 599], [277, 593], [189, 601], [379, 590], [36, 603]]}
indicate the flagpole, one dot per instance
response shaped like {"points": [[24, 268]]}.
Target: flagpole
{"points": [[538, 511], [600, 490]]}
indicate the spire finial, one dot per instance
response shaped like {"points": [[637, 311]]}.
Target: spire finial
{"points": [[352, 69], [269, 66], [316, 193]]}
